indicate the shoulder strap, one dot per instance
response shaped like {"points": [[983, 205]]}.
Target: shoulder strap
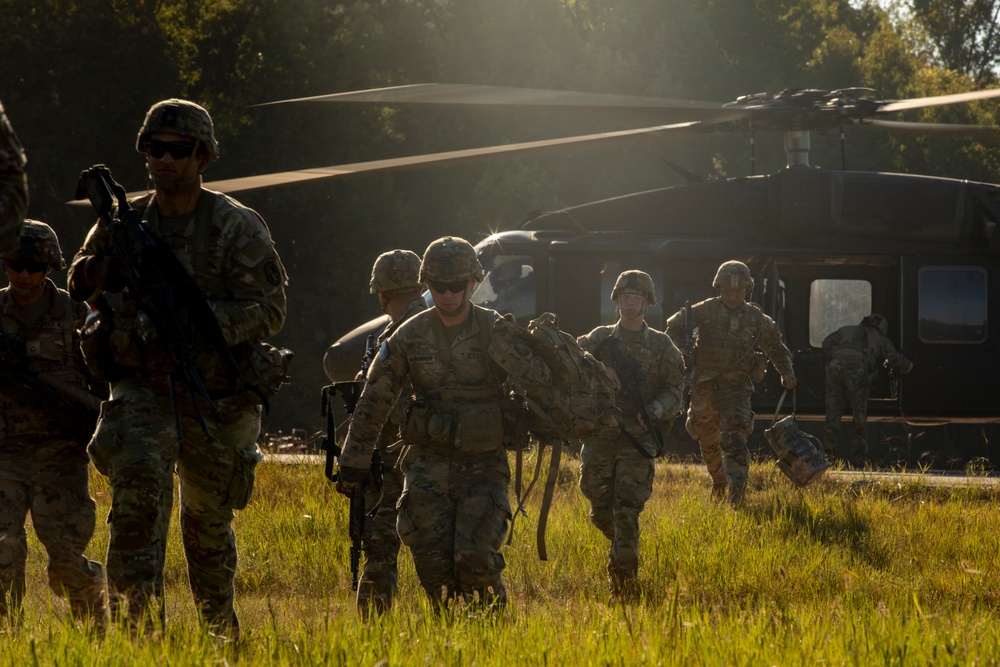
{"points": [[202, 230]]}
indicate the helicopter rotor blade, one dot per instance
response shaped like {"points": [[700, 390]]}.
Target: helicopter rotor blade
{"points": [[969, 131], [526, 149], [445, 94], [939, 100]]}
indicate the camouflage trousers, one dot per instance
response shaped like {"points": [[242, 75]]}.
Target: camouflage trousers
{"points": [[380, 575], [49, 479], [618, 480], [720, 419], [136, 447], [847, 385], [453, 515]]}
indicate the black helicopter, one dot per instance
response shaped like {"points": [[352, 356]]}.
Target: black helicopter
{"points": [[827, 247]]}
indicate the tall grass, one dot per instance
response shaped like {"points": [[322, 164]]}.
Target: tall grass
{"points": [[839, 573]]}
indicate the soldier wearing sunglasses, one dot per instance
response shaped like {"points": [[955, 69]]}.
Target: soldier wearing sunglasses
{"points": [[44, 470], [454, 509], [228, 251]]}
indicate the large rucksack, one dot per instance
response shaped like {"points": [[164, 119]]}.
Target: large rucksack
{"points": [[572, 395]]}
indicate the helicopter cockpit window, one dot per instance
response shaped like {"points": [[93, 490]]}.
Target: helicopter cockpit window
{"points": [[836, 303], [951, 304], [609, 311], [509, 286]]}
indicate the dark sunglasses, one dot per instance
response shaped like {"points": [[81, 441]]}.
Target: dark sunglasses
{"points": [[17, 266], [177, 149], [454, 288]]}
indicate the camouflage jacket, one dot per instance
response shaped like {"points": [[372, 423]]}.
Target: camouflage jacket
{"points": [[441, 373], [660, 362], [227, 249], [727, 339], [13, 186], [52, 347], [390, 433], [867, 343]]}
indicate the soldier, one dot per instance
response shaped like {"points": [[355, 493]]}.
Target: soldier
{"points": [[455, 510], [227, 249], [852, 354], [13, 186], [724, 367], [44, 470], [616, 474], [396, 282]]}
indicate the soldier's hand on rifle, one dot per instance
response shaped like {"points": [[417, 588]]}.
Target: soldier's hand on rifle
{"points": [[106, 272], [349, 479], [655, 412], [788, 381]]}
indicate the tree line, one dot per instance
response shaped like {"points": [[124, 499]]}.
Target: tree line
{"points": [[79, 75]]}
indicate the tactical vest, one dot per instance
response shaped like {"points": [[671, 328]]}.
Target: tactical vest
{"points": [[455, 417], [50, 347], [726, 343]]}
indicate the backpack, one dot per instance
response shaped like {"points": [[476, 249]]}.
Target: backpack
{"points": [[571, 394]]}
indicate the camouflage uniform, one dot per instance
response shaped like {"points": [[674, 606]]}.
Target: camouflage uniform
{"points": [[719, 416], [42, 470], [13, 185], [614, 476], [227, 249], [852, 354], [454, 510], [380, 575]]}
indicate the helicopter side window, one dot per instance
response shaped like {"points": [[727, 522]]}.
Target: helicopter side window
{"points": [[951, 304], [609, 274], [509, 286], [836, 303]]}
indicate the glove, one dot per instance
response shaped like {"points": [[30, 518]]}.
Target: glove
{"points": [[107, 272], [351, 480]]}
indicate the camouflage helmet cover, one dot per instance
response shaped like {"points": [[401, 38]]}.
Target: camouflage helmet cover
{"points": [[638, 280], [37, 243], [878, 322], [733, 274], [395, 270], [450, 258], [183, 117]]}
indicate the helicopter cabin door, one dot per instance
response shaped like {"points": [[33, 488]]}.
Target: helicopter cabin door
{"points": [[951, 332]]}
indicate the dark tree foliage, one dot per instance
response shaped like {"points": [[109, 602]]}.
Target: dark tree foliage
{"points": [[78, 77]]}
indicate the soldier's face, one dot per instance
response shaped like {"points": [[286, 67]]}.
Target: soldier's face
{"points": [[732, 296], [26, 278], [632, 304], [170, 158], [451, 298]]}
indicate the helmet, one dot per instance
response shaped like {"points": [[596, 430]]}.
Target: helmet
{"points": [[395, 270], [638, 280], [877, 322], [450, 258], [38, 243], [186, 118], [733, 274]]}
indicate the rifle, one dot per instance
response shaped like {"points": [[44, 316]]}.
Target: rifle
{"points": [[359, 526], [72, 409], [164, 289], [630, 375]]}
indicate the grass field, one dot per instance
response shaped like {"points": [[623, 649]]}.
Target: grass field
{"points": [[856, 573]]}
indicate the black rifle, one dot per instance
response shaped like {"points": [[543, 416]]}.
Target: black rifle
{"points": [[359, 526], [166, 293], [72, 409], [630, 375]]}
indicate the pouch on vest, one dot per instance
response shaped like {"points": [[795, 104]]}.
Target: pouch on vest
{"points": [[480, 427], [758, 367], [423, 427]]}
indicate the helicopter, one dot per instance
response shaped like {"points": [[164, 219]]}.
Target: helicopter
{"points": [[826, 247]]}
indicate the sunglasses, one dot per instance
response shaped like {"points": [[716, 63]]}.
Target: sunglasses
{"points": [[454, 288], [17, 266], [177, 149]]}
